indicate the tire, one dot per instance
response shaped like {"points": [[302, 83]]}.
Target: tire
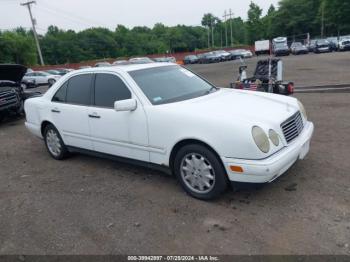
{"points": [[54, 143], [205, 184], [51, 82]]}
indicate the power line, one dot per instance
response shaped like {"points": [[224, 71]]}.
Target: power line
{"points": [[66, 17], [28, 4], [72, 15]]}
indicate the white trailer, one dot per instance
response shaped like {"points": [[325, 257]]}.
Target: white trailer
{"points": [[262, 47]]}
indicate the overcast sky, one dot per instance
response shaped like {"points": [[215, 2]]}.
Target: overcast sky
{"points": [[81, 14]]}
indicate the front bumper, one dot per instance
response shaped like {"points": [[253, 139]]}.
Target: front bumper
{"points": [[282, 52], [34, 129], [345, 48], [267, 170]]}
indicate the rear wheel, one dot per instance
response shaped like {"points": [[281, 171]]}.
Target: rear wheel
{"points": [[200, 172], [54, 143]]}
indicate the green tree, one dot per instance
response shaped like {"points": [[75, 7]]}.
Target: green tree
{"points": [[254, 23], [17, 47]]}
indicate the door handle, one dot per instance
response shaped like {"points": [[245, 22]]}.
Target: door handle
{"points": [[94, 115], [55, 110]]}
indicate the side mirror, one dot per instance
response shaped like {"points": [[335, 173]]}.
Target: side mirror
{"points": [[125, 105]]}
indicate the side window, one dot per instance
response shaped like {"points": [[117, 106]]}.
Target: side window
{"points": [[108, 89], [60, 95], [79, 90]]}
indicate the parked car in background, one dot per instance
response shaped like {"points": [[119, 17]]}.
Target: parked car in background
{"points": [[322, 46], [225, 56], [311, 45], [84, 67], [344, 44], [262, 47], [334, 43], [102, 64], [165, 59], [280, 46], [42, 78], [120, 62], [191, 59], [53, 72], [137, 112], [28, 83], [247, 53], [208, 58], [298, 48], [236, 54], [171, 59], [141, 60], [64, 71]]}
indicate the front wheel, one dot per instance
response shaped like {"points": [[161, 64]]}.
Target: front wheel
{"points": [[54, 143], [200, 172]]}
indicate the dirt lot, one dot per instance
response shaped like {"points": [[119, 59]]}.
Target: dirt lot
{"points": [[303, 70], [87, 205]]}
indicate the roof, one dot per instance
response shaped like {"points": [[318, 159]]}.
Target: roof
{"points": [[126, 67]]}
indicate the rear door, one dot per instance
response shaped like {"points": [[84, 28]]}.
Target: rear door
{"points": [[69, 110]]}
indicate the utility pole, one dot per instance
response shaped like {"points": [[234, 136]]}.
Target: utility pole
{"points": [[212, 32], [225, 19], [28, 4], [208, 37], [322, 22], [231, 18]]}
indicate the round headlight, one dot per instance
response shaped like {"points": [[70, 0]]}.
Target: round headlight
{"points": [[302, 109], [261, 139], [274, 137]]}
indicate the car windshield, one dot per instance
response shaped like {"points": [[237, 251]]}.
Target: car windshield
{"points": [[169, 84], [43, 73], [297, 44], [281, 45], [53, 72]]}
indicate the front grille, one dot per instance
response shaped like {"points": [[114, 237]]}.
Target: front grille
{"points": [[8, 98], [292, 127]]}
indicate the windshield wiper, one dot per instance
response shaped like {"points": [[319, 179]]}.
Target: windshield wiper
{"points": [[211, 90]]}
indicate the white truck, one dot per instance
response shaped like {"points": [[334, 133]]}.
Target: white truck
{"points": [[280, 46], [262, 47]]}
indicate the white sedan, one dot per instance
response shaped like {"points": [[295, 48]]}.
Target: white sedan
{"points": [[163, 115], [41, 78]]}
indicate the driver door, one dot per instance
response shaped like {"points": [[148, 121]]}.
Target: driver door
{"points": [[122, 134]]}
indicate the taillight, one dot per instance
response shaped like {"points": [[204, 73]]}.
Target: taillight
{"points": [[290, 88]]}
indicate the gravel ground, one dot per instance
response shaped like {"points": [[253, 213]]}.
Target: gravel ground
{"points": [[86, 205]]}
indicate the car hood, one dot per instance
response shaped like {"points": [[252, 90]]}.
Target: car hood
{"points": [[237, 105], [12, 73]]}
